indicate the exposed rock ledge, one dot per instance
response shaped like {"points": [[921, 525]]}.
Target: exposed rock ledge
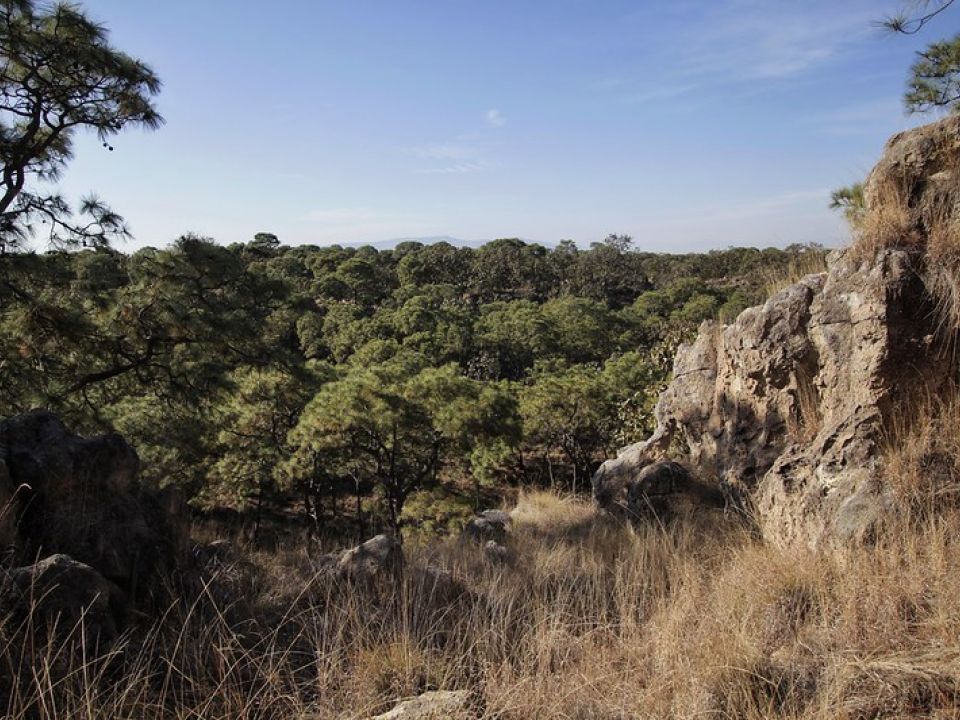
{"points": [[787, 405]]}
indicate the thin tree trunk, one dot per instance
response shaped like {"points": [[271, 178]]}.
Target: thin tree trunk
{"points": [[360, 523]]}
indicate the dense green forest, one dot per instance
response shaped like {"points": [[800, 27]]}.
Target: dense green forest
{"points": [[398, 387]]}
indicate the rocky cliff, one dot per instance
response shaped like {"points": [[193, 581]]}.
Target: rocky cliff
{"points": [[788, 406]]}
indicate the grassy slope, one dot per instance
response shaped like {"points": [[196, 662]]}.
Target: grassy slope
{"points": [[590, 620]]}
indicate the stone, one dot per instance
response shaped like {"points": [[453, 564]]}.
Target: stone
{"points": [[488, 525], [378, 557], [787, 405], [62, 595], [915, 187], [435, 705], [666, 490], [69, 494]]}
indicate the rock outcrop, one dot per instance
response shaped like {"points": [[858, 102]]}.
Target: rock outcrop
{"points": [[787, 406], [62, 493], [912, 195]]}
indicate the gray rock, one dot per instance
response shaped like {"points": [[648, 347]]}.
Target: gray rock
{"points": [[436, 705], [61, 493], [914, 186], [378, 557], [665, 490], [787, 405], [63, 596], [488, 525]]}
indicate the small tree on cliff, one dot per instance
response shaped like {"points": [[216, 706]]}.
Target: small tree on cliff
{"points": [[58, 75]]}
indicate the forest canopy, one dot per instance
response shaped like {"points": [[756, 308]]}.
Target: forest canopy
{"points": [[396, 387]]}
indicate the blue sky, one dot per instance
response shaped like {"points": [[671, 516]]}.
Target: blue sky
{"points": [[689, 124]]}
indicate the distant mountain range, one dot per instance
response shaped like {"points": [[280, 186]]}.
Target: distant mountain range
{"points": [[431, 240]]}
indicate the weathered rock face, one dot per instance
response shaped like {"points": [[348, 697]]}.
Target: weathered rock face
{"points": [[787, 405], [66, 494]]}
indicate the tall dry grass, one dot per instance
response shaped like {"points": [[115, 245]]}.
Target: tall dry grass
{"points": [[811, 262], [588, 619], [889, 221]]}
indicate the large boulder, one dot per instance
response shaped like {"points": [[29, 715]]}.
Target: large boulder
{"points": [[912, 196], [66, 599], [666, 490], [788, 404], [67, 494]]}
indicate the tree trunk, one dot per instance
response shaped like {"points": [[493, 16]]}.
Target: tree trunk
{"points": [[360, 523]]}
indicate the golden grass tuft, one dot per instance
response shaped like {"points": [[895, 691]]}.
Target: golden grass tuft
{"points": [[922, 457], [888, 222], [913, 212], [806, 421]]}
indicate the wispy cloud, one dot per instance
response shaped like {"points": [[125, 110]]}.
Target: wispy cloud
{"points": [[456, 168], [744, 42], [495, 118], [465, 154], [448, 151], [755, 40]]}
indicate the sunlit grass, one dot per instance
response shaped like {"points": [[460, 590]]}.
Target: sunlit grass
{"points": [[590, 619]]}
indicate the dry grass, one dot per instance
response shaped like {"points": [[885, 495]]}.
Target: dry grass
{"points": [[775, 279], [806, 421], [922, 457], [942, 281], [913, 212], [889, 222], [589, 619]]}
